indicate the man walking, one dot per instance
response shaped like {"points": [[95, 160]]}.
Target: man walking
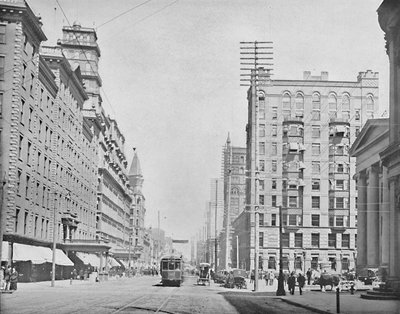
{"points": [[7, 275], [291, 283], [309, 273], [301, 280]]}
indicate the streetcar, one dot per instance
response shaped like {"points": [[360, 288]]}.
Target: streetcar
{"points": [[171, 268]]}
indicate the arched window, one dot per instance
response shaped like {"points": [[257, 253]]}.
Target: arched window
{"points": [[345, 102], [316, 101], [370, 103], [299, 102], [286, 101], [332, 102]]}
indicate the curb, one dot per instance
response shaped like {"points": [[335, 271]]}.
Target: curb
{"points": [[305, 306]]}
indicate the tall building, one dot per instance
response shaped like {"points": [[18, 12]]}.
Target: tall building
{"points": [[113, 198], [233, 169], [138, 209], [298, 137], [214, 219]]}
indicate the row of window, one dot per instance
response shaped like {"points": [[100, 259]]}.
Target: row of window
{"points": [[297, 202], [315, 240]]}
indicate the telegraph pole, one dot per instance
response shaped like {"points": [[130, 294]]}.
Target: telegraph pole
{"points": [[216, 205], [281, 287], [254, 57], [228, 217]]}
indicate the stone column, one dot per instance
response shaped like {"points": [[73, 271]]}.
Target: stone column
{"points": [[392, 228], [362, 221], [385, 218], [373, 217]]}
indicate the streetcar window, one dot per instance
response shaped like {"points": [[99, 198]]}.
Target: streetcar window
{"points": [[177, 265], [171, 266], [164, 265]]}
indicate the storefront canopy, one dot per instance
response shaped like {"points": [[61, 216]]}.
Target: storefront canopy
{"points": [[35, 254], [112, 262], [88, 258]]}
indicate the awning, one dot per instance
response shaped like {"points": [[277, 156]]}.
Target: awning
{"points": [[4, 250], [88, 258], [38, 254], [62, 259], [35, 254], [112, 262]]}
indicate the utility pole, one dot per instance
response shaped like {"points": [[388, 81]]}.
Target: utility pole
{"points": [[216, 206], [159, 238], [281, 287], [254, 56], [53, 265], [2, 211], [237, 251]]}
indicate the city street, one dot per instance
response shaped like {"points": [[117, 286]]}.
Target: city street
{"points": [[138, 295]]}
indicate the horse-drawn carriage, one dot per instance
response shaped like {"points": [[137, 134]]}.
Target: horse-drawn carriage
{"points": [[204, 274], [236, 279]]}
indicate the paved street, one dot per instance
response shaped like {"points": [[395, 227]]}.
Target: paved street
{"points": [[138, 295]]}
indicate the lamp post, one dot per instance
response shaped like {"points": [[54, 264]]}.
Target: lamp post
{"points": [[281, 288], [53, 265], [237, 251]]}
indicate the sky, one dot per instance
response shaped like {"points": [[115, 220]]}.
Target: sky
{"points": [[171, 78]]}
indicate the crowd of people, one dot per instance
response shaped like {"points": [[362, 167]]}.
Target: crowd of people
{"points": [[8, 278]]}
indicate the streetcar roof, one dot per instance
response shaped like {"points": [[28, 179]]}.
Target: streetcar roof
{"points": [[171, 257]]}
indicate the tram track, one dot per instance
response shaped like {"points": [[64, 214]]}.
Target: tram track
{"points": [[137, 305]]}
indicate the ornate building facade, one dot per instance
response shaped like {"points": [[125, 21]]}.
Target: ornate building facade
{"points": [[298, 137]]}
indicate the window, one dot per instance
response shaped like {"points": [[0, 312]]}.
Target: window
{"points": [[331, 203], [345, 263], [19, 174], [274, 130], [370, 103], [315, 202], [261, 199], [340, 202], [339, 221], [332, 240], [340, 185], [292, 201], [316, 115], [271, 262], [261, 239], [299, 102], [274, 149], [357, 130], [315, 167], [261, 186], [315, 239], [25, 222], [357, 115], [315, 220], [29, 151], [314, 262], [345, 240], [285, 239], [332, 103], [315, 185], [274, 184], [28, 182], [345, 103], [340, 168], [274, 166], [298, 240], [331, 221], [316, 151], [274, 113], [316, 102], [286, 101], [346, 115], [261, 220], [2, 34], [273, 219], [262, 130], [262, 165], [316, 131], [273, 200], [2, 67], [262, 148]]}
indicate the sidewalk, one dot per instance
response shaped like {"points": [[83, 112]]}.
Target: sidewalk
{"points": [[325, 302]]}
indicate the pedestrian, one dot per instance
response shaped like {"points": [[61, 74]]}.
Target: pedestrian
{"points": [[266, 277], [7, 274], [2, 282], [301, 280], [309, 273], [13, 279], [74, 274], [252, 276], [291, 283], [271, 278]]}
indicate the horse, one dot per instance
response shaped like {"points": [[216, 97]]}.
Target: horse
{"points": [[328, 280]]}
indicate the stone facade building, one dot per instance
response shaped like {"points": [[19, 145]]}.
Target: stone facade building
{"points": [[298, 137], [233, 169], [378, 169]]}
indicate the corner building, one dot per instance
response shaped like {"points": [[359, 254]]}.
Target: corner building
{"points": [[298, 137]]}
